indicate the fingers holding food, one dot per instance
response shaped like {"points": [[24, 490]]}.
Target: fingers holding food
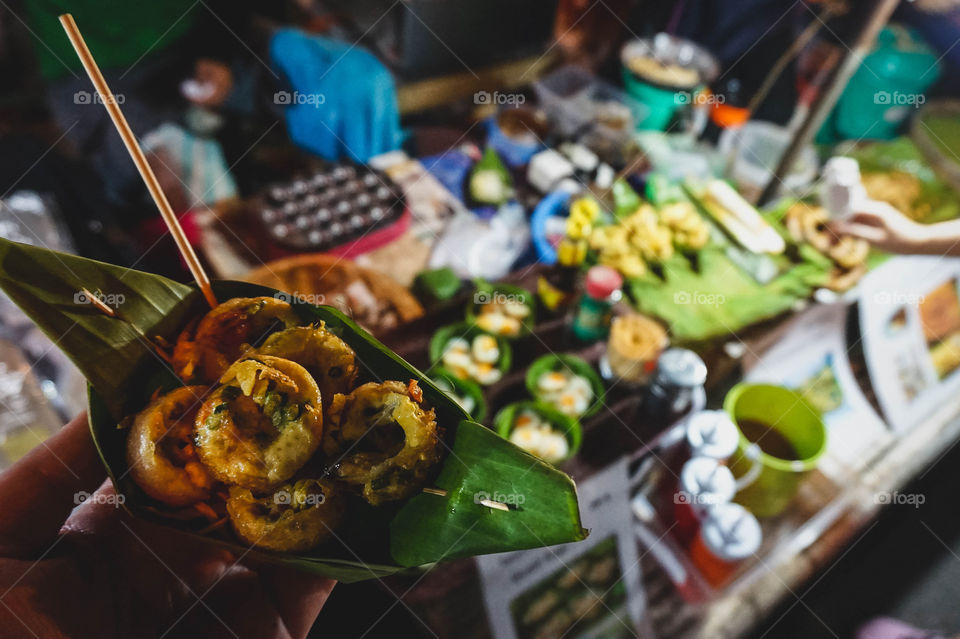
{"points": [[203, 352], [382, 441], [160, 451], [262, 424], [327, 357], [297, 516]]}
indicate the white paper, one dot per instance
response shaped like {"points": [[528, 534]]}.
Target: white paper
{"points": [[811, 357], [910, 319], [597, 580]]}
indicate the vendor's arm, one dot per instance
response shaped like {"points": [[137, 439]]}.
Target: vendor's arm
{"points": [[889, 230]]}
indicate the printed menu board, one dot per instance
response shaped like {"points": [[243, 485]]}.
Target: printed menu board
{"points": [[585, 589]]}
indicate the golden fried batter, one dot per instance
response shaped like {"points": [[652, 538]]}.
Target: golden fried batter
{"points": [[296, 516], [388, 443], [203, 352], [327, 357], [262, 425], [160, 450]]}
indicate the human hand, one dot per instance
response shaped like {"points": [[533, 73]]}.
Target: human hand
{"points": [[217, 81], [885, 228], [97, 572]]}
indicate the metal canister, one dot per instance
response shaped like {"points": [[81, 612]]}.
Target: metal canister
{"points": [[676, 388]]}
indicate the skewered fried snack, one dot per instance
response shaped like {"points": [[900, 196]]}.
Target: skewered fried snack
{"points": [[202, 353], [262, 425], [329, 359], [296, 516], [388, 443], [808, 223], [160, 450]]}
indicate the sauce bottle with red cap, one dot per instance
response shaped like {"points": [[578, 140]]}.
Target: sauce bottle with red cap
{"points": [[602, 290]]}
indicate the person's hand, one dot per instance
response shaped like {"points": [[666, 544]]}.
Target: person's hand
{"points": [[216, 80], [885, 228], [97, 572]]}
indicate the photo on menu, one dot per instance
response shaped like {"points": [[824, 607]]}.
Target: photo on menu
{"points": [[585, 598], [940, 317]]}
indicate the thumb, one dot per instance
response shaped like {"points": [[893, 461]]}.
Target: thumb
{"points": [[39, 491]]}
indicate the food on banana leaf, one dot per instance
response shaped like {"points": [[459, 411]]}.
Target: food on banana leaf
{"points": [[649, 236], [161, 452], [383, 439], [261, 425], [690, 232], [294, 517], [329, 359], [258, 444], [741, 220], [204, 351], [808, 223], [476, 360]]}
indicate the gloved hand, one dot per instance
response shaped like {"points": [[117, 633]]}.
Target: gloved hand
{"points": [[342, 100]]}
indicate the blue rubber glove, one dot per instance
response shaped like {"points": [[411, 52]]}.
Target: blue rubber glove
{"points": [[342, 102]]}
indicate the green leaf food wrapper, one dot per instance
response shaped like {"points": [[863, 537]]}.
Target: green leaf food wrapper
{"points": [[116, 356]]}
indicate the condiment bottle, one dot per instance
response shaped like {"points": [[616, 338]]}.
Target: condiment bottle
{"points": [[711, 433], [676, 389], [728, 535], [704, 483], [557, 289], [602, 291]]}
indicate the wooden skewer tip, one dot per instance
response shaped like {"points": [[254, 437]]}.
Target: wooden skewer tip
{"points": [[138, 157]]}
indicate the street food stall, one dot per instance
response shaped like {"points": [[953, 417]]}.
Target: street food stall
{"points": [[544, 335]]}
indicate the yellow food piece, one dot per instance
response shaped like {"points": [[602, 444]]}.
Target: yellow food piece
{"points": [[296, 516], [329, 359], [160, 450], [205, 350], [262, 425], [385, 442]]}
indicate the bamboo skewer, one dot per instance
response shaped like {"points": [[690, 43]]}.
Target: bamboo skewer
{"points": [[139, 159]]}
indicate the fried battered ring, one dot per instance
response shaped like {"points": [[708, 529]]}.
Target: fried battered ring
{"points": [[262, 425], [297, 516], [161, 453], [376, 459], [203, 352], [328, 358]]}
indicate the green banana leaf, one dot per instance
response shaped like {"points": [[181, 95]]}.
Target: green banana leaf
{"points": [[116, 355], [719, 298]]}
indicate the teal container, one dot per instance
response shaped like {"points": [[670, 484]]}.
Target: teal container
{"points": [[886, 90], [661, 103]]}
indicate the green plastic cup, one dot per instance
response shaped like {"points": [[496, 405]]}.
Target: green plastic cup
{"points": [[769, 483]]}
